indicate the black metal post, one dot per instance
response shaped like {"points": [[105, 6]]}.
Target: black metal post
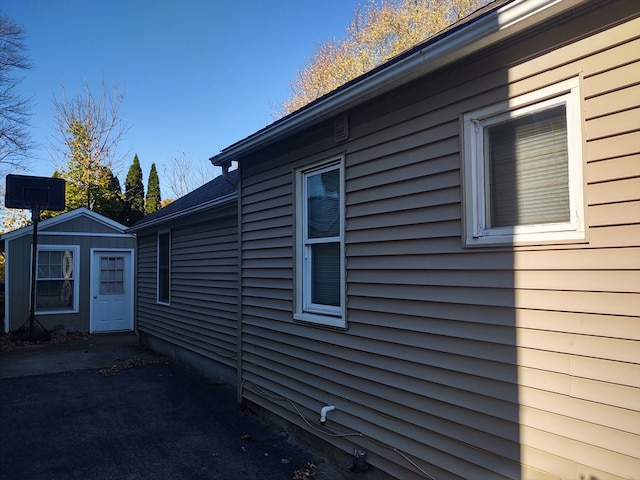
{"points": [[35, 217]]}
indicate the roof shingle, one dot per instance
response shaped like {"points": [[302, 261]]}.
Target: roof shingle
{"points": [[217, 188]]}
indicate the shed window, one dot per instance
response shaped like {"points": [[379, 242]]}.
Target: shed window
{"points": [[56, 279], [164, 267], [320, 232], [523, 169]]}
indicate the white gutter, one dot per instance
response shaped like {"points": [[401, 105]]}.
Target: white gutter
{"points": [[487, 30]]}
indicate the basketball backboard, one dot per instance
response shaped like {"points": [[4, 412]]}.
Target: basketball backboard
{"points": [[24, 191]]}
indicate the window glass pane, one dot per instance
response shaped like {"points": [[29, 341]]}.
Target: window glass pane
{"points": [[323, 204], [55, 271], [325, 274], [527, 173], [43, 264], [54, 280], [43, 271], [55, 257], [54, 294], [163, 267], [112, 275], [163, 286]]}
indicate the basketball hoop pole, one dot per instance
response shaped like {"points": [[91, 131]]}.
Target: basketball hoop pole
{"points": [[37, 194], [35, 217]]}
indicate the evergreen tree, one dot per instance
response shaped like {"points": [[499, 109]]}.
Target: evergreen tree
{"points": [[109, 200], [105, 194], [152, 203], [134, 193], [45, 214], [82, 171]]}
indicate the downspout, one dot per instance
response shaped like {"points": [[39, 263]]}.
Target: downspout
{"points": [[238, 185], [225, 174]]}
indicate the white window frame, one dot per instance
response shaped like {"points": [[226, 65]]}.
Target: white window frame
{"points": [[477, 233], [76, 278], [158, 299], [305, 309]]}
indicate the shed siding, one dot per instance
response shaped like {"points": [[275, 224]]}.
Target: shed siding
{"points": [[462, 362], [85, 225], [202, 317], [19, 261]]}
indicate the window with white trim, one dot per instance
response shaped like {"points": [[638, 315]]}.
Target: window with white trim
{"points": [[320, 246], [164, 267], [523, 169], [57, 279]]}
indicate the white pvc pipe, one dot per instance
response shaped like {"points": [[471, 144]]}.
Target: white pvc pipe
{"points": [[323, 413]]}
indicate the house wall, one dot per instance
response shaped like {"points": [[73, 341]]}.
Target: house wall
{"points": [[82, 232], [510, 362], [199, 327]]}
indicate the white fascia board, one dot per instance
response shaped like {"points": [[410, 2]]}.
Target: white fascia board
{"points": [[487, 30], [50, 222], [86, 234]]}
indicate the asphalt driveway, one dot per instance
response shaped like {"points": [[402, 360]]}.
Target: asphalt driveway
{"points": [[153, 421]]}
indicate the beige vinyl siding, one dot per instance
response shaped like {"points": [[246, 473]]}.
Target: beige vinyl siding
{"points": [[516, 362], [202, 316]]}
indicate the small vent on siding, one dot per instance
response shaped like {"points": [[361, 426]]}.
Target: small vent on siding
{"points": [[341, 128]]}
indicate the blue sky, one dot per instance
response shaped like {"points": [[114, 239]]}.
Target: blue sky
{"points": [[198, 75]]}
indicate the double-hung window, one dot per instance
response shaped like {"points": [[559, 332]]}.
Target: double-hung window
{"points": [[57, 279], [164, 267], [523, 169], [320, 246]]}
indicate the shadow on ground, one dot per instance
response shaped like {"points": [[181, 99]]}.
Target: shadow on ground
{"points": [[156, 421], [102, 407]]}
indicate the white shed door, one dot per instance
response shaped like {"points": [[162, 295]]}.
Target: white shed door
{"points": [[111, 291]]}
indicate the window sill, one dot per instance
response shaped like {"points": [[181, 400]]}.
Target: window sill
{"points": [[540, 238], [55, 312], [321, 320]]}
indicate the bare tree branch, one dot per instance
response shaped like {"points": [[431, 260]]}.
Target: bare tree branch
{"points": [[87, 131], [15, 139], [183, 175]]}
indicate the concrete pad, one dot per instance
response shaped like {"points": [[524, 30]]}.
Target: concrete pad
{"points": [[159, 420], [95, 351]]}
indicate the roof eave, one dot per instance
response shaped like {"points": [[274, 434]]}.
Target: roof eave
{"points": [[218, 202], [480, 33], [64, 217]]}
